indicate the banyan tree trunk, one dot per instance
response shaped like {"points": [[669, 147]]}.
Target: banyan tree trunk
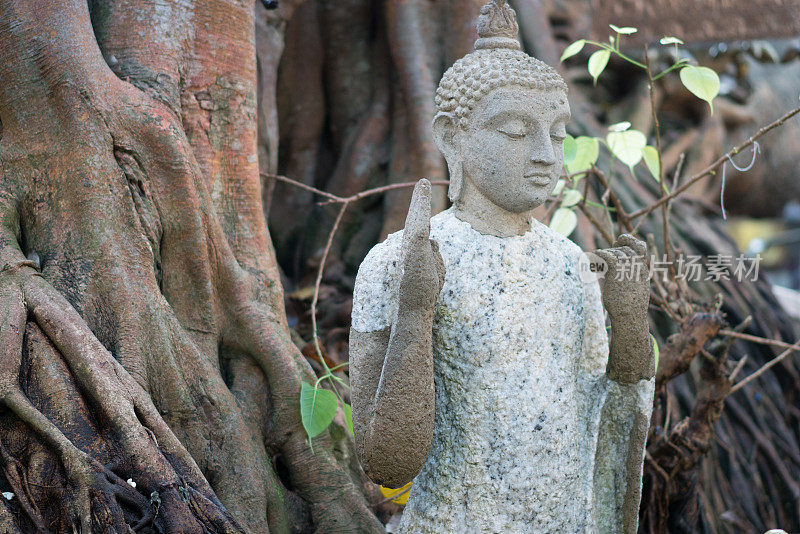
{"points": [[143, 338], [356, 82]]}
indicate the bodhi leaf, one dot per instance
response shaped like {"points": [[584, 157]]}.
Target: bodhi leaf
{"points": [[564, 221], [670, 41], [571, 197], [587, 151], [650, 155], [598, 62], [627, 146], [570, 149], [656, 350], [626, 30], [702, 82], [573, 49], [559, 187], [317, 408], [348, 418], [619, 127]]}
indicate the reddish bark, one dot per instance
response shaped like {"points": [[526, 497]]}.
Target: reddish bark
{"points": [[146, 336]]}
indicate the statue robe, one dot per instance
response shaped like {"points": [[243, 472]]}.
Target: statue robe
{"points": [[522, 442]]}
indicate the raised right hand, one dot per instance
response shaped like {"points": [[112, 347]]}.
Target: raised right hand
{"points": [[423, 268]]}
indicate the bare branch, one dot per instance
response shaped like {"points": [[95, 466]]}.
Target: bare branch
{"points": [[711, 169], [777, 359]]}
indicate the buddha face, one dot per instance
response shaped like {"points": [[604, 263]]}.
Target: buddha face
{"points": [[512, 147]]}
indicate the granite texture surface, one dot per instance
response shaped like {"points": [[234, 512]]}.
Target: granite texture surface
{"points": [[520, 351]]}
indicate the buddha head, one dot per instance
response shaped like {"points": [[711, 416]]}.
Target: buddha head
{"points": [[501, 118]]}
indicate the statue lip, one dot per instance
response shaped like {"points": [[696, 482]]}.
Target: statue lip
{"points": [[539, 178]]}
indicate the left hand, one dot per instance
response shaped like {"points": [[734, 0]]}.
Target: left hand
{"points": [[626, 295], [626, 289]]}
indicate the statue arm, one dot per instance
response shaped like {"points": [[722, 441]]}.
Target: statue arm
{"points": [[393, 398], [391, 368], [629, 386]]}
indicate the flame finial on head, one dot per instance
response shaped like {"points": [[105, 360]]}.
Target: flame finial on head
{"points": [[497, 26]]}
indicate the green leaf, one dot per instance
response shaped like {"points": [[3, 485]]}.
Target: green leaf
{"points": [[564, 221], [559, 187], [656, 350], [588, 149], [627, 146], [573, 49], [570, 198], [619, 127], [570, 149], [348, 417], [670, 41], [650, 155], [317, 408], [626, 30], [702, 82], [598, 62]]}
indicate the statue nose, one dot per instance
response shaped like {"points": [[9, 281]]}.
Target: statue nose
{"points": [[542, 154]]}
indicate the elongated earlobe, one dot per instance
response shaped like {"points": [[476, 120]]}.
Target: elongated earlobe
{"points": [[456, 172], [444, 134]]}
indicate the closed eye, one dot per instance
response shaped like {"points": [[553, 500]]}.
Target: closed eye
{"points": [[514, 129], [512, 134]]}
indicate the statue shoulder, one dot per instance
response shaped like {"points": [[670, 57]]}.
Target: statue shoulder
{"points": [[560, 242], [378, 278]]}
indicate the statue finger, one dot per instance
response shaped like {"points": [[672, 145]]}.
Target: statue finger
{"points": [[625, 257], [418, 220], [608, 257], [639, 246], [627, 252]]}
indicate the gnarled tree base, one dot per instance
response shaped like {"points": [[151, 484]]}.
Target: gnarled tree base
{"points": [[143, 336]]}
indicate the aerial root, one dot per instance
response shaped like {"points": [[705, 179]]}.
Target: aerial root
{"points": [[12, 327], [99, 500], [92, 482], [16, 474]]}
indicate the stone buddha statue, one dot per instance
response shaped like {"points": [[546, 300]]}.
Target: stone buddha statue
{"points": [[481, 366]]}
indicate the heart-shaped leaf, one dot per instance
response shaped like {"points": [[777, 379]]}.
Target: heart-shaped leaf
{"points": [[564, 221], [650, 155], [619, 127], [570, 198], [348, 418], [626, 30], [598, 62], [587, 151], [570, 149], [627, 146], [702, 82], [559, 187], [670, 41], [573, 49], [317, 408]]}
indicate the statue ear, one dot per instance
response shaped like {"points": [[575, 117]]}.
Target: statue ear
{"points": [[445, 127]]}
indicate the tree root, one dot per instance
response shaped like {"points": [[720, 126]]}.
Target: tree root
{"points": [[98, 495], [135, 315]]}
